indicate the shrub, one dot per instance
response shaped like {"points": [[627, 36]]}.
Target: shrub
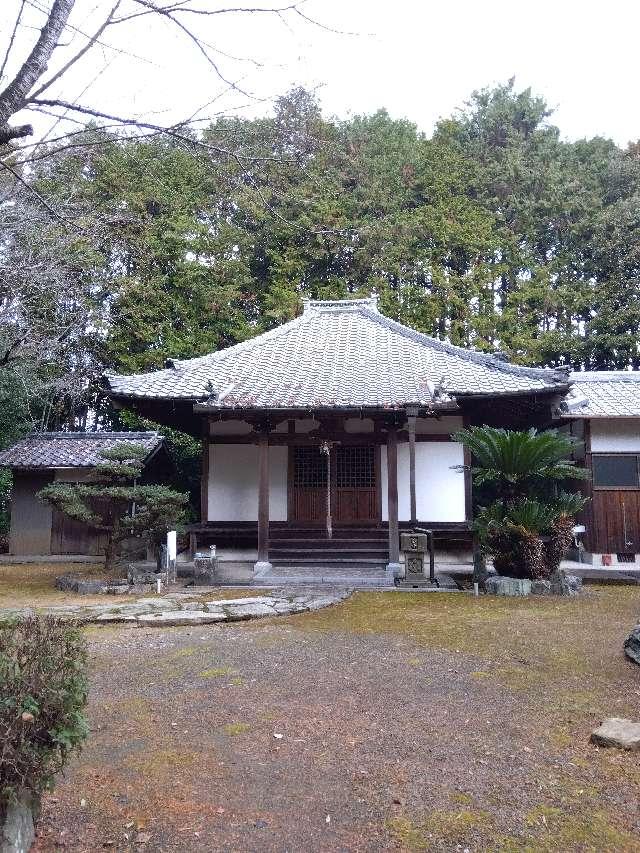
{"points": [[43, 692]]}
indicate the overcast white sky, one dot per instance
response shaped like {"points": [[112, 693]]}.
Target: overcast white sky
{"points": [[419, 59]]}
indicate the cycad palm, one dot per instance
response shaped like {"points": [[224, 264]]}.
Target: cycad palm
{"points": [[519, 463]]}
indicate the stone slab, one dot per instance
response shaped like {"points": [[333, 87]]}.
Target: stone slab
{"points": [[248, 611], [174, 618], [617, 732]]}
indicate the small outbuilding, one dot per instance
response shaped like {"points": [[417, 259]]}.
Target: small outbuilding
{"points": [[604, 413], [47, 457]]}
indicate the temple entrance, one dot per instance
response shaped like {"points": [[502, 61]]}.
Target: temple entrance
{"points": [[354, 476]]}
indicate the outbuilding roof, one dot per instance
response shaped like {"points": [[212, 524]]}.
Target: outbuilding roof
{"points": [[72, 449], [338, 354], [605, 394]]}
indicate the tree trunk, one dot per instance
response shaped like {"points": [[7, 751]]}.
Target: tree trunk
{"points": [[14, 96], [111, 549]]}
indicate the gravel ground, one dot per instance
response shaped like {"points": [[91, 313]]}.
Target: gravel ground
{"points": [[391, 721]]}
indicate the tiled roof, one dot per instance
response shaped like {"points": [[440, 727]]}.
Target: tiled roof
{"points": [[341, 354], [71, 449], [606, 394]]}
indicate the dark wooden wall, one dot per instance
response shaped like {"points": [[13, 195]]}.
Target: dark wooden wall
{"points": [[30, 518]]}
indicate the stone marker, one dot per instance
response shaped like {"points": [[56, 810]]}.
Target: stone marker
{"points": [[614, 731]]}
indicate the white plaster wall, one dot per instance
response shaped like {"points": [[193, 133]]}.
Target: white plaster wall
{"points": [[440, 494], [615, 435], [233, 482]]}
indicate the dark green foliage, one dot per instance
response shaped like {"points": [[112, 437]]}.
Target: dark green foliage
{"points": [[43, 692], [184, 451], [117, 505], [523, 518], [493, 233]]}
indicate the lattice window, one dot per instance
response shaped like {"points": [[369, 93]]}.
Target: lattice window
{"points": [[355, 467], [309, 468]]}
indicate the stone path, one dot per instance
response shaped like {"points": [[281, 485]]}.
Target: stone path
{"points": [[196, 607]]}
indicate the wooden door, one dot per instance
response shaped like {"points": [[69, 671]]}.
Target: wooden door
{"points": [[356, 486], [616, 521], [308, 485]]}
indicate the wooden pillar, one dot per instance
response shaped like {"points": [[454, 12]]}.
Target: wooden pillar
{"points": [[393, 567], [412, 464], [204, 475], [263, 564]]}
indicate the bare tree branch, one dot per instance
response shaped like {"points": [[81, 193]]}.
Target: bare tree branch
{"points": [[36, 194], [12, 38], [173, 131], [90, 43]]}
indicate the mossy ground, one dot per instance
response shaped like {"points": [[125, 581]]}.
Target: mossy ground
{"points": [[390, 722], [32, 585]]}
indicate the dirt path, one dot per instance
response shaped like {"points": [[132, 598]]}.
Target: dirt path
{"points": [[391, 721]]}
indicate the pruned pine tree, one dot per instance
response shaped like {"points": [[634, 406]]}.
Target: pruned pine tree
{"points": [[117, 505]]}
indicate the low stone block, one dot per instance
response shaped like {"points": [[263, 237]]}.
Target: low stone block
{"points": [[564, 584], [617, 732], [632, 645], [512, 587], [17, 826], [540, 587]]}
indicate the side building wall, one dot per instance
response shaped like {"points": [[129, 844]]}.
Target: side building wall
{"points": [[613, 515], [30, 532]]}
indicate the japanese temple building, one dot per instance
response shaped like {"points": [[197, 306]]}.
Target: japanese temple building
{"points": [[324, 436]]}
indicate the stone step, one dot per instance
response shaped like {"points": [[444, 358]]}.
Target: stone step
{"points": [[331, 563], [330, 553], [347, 579]]}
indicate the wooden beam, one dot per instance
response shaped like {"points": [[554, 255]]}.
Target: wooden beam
{"points": [[412, 467], [263, 563], [204, 475], [393, 566], [288, 440], [468, 485]]}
